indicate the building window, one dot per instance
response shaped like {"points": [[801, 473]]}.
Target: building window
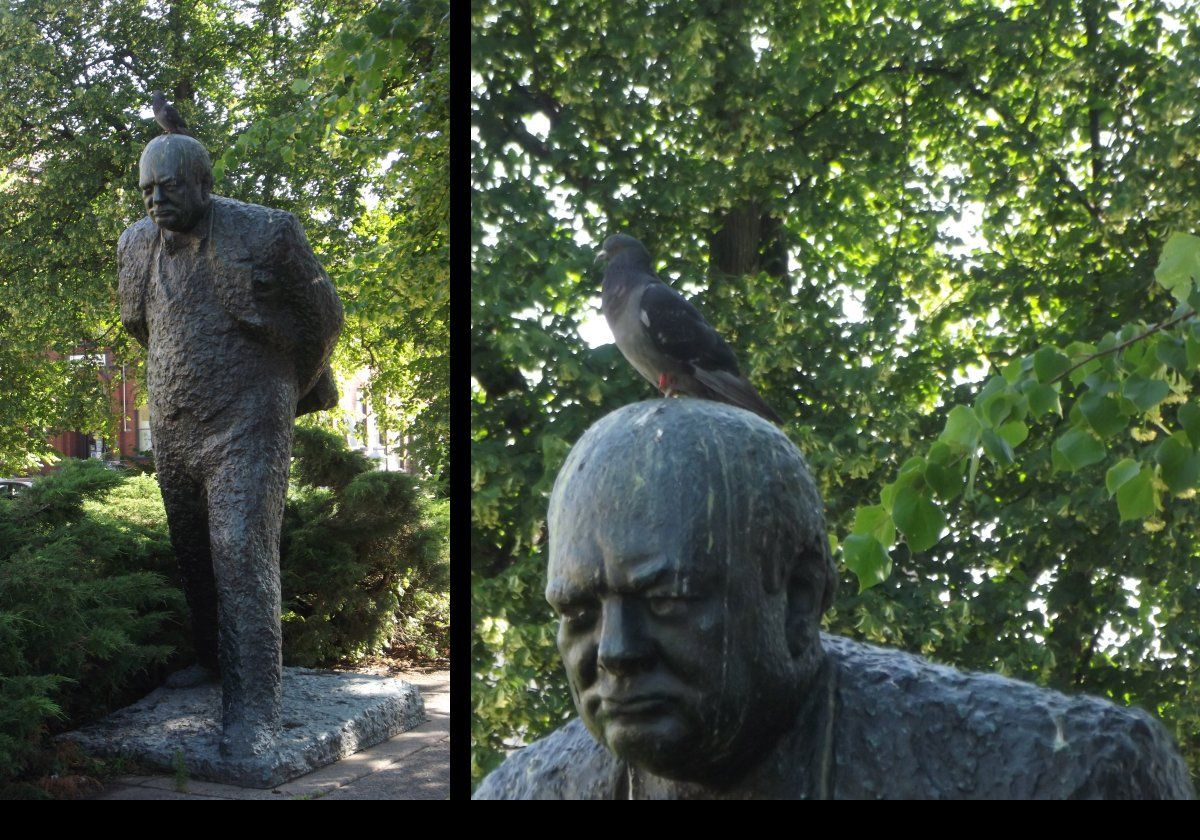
{"points": [[144, 444]]}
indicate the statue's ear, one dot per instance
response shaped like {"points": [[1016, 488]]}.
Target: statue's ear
{"points": [[804, 607]]}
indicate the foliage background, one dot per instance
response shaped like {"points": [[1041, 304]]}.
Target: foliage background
{"points": [[336, 110], [882, 204]]}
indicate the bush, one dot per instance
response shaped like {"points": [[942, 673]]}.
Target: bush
{"points": [[92, 614], [358, 548], [79, 624], [423, 628]]}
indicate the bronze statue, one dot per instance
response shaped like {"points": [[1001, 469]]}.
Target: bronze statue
{"points": [[238, 320], [689, 566]]}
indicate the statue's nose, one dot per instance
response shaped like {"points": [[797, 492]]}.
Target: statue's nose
{"points": [[624, 646]]}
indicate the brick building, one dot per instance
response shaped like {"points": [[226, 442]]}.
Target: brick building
{"points": [[131, 424]]}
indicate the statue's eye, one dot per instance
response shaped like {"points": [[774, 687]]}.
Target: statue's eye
{"points": [[667, 606], [577, 616]]}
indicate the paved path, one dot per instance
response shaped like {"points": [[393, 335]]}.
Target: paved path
{"points": [[412, 765]]}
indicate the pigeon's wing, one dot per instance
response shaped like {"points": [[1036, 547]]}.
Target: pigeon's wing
{"points": [[679, 331]]}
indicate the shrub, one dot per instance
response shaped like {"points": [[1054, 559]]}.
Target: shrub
{"points": [[355, 540], [92, 614], [79, 625]]}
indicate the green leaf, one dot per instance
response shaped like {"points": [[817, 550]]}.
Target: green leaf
{"points": [[1102, 414], [1135, 497], [300, 85], [1145, 393], [867, 558], [1189, 419], [887, 495], [946, 481], [1179, 463], [1179, 265], [1172, 353], [1049, 364], [918, 518], [1014, 369], [997, 408], [962, 429], [876, 521], [1043, 399], [1079, 449], [1192, 348], [997, 448], [1120, 473], [939, 453], [1015, 432]]}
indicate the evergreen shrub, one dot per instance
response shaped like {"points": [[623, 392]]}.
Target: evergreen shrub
{"points": [[361, 548], [83, 614]]}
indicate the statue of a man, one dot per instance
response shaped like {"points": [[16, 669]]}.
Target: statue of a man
{"points": [[238, 320], [690, 566]]}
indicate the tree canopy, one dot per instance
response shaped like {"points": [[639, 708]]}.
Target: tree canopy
{"points": [[949, 240], [336, 110]]}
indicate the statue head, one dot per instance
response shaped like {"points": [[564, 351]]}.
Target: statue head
{"points": [[690, 567], [175, 177]]}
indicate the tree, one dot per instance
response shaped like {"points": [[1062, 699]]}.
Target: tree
{"points": [[332, 109], [901, 214]]}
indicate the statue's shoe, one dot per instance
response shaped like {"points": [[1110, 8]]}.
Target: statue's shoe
{"points": [[244, 741]]}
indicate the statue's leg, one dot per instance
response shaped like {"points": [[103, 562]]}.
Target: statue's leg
{"points": [[246, 490], [185, 501]]}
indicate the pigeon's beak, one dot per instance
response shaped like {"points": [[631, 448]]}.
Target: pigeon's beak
{"points": [[601, 256]]}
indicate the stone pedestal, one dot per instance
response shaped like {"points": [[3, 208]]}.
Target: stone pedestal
{"points": [[326, 717]]}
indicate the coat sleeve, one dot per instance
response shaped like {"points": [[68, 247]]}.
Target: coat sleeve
{"points": [[133, 255], [567, 764], [314, 308]]}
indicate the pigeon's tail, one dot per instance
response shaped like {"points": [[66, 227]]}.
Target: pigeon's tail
{"points": [[729, 388]]}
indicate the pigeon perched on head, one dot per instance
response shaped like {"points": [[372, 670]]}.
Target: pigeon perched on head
{"points": [[166, 115], [664, 337]]}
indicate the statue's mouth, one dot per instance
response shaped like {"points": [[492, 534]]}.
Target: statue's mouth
{"points": [[637, 706]]}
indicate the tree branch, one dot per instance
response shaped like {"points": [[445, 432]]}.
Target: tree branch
{"points": [[1170, 322]]}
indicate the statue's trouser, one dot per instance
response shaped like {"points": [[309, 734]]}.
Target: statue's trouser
{"points": [[224, 481]]}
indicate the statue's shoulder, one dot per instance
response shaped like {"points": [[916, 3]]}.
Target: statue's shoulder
{"points": [[971, 735], [251, 219], [138, 236], [567, 764]]}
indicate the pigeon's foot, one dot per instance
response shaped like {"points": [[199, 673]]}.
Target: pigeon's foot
{"points": [[666, 384]]}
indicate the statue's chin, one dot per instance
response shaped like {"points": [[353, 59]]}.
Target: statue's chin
{"points": [[664, 746], [173, 223]]}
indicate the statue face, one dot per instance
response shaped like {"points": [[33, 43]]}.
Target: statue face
{"points": [[677, 656], [175, 199]]}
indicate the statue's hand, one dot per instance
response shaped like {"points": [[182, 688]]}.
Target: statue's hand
{"points": [[266, 286]]}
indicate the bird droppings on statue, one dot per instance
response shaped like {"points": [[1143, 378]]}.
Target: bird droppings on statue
{"points": [[664, 337]]}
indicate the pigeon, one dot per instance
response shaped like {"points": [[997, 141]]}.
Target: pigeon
{"points": [[166, 115], [664, 337]]}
